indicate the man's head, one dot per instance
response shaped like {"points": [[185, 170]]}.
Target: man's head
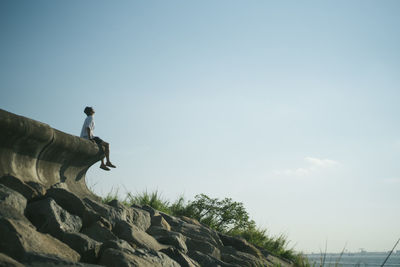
{"points": [[89, 111]]}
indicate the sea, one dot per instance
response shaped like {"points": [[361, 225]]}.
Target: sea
{"points": [[355, 259]]}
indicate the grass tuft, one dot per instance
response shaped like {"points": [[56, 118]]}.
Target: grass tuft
{"points": [[154, 200]]}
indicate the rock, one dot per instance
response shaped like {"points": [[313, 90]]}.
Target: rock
{"points": [[203, 246], [19, 186], [90, 217], [7, 211], [168, 238], [133, 235], [141, 258], [134, 215], [199, 237], [7, 261], [159, 221], [49, 217], [112, 214], [191, 220], [12, 204], [40, 189], [274, 260], [172, 221], [141, 218], [43, 260], [74, 205], [111, 257], [117, 244], [206, 260], [12, 198], [194, 231], [181, 258], [231, 255], [19, 238], [240, 244], [99, 232], [146, 208], [88, 248], [209, 234], [67, 200]]}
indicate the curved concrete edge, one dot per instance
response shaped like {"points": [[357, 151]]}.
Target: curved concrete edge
{"points": [[33, 151]]}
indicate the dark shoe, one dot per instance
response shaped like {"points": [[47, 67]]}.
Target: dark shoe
{"points": [[104, 167], [109, 164]]}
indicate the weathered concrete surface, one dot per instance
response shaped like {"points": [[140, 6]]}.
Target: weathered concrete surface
{"points": [[35, 152]]}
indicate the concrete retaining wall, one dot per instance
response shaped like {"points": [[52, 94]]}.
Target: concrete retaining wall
{"points": [[33, 151]]}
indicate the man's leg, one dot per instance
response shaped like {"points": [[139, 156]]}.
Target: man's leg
{"points": [[103, 166], [100, 142], [107, 153]]}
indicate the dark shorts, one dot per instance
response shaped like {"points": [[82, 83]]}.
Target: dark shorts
{"points": [[98, 140]]}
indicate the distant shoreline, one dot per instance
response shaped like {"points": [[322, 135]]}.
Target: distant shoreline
{"points": [[397, 253]]}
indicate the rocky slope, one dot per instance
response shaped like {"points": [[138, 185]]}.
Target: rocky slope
{"points": [[56, 221]]}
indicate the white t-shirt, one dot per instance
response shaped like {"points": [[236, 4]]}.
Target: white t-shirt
{"points": [[89, 123]]}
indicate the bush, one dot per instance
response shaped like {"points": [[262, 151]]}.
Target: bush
{"points": [[221, 215]]}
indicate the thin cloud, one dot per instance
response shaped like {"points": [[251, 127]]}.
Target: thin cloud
{"points": [[314, 165], [322, 163]]}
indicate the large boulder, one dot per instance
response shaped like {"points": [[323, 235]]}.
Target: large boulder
{"points": [[140, 258], [172, 220], [49, 217], [67, 200], [190, 220], [168, 238], [88, 248], [12, 204], [7, 261], [39, 188], [133, 235], [33, 259], [19, 238], [209, 261], [194, 231], [7, 211], [99, 232], [141, 218], [119, 244], [112, 214], [146, 208], [203, 246], [21, 187], [134, 215], [74, 205], [275, 260], [231, 255], [240, 244], [158, 221], [180, 257], [12, 198]]}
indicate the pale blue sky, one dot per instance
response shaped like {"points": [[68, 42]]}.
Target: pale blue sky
{"points": [[290, 107]]}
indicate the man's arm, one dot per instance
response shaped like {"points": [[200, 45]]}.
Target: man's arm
{"points": [[89, 133]]}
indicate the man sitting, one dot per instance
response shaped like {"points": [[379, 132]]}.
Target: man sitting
{"points": [[88, 133]]}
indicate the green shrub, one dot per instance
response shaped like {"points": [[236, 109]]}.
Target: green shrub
{"points": [[221, 215]]}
